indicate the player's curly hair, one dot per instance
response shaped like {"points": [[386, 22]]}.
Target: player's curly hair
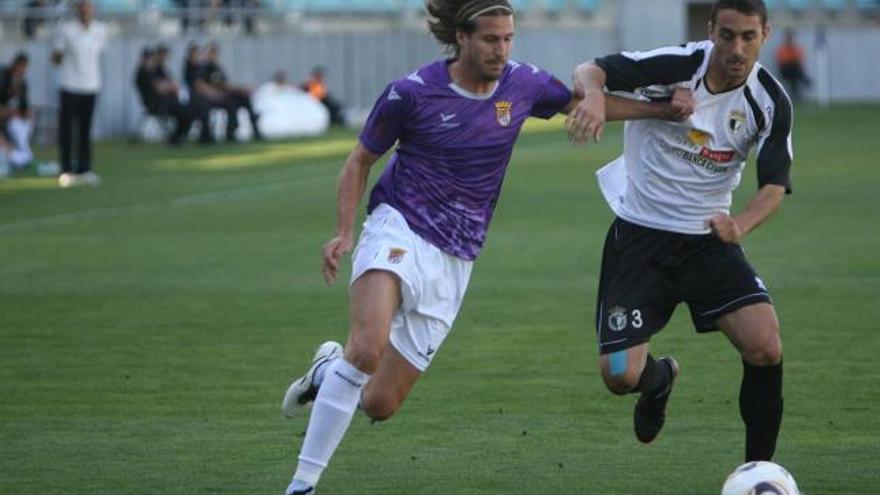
{"points": [[446, 17]]}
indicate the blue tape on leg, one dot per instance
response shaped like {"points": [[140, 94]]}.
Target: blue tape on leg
{"points": [[617, 360]]}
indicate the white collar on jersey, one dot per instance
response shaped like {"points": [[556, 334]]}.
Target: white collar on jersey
{"points": [[474, 96]]}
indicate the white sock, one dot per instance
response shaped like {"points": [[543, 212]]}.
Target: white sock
{"points": [[20, 132], [318, 377], [334, 407]]}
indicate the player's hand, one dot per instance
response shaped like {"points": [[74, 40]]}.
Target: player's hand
{"points": [[681, 106], [331, 253], [587, 120], [726, 228]]}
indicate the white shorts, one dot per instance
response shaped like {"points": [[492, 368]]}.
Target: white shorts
{"points": [[432, 283]]}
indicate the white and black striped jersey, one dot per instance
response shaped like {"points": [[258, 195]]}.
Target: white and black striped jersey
{"points": [[675, 176]]}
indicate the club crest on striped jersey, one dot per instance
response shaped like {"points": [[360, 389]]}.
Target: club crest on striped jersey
{"points": [[736, 120], [502, 112]]}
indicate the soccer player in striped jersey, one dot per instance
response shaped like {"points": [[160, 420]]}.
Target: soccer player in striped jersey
{"points": [[674, 239], [455, 122]]}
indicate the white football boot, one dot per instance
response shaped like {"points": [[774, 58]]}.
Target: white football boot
{"points": [[303, 390]]}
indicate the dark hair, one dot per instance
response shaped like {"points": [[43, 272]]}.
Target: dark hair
{"points": [[747, 7], [447, 17], [20, 58]]}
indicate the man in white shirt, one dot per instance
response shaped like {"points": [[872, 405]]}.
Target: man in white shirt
{"points": [[674, 239], [77, 50]]}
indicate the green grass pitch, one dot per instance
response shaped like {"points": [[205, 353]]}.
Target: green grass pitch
{"points": [[148, 329]]}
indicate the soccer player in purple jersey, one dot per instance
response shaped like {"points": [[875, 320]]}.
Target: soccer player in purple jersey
{"points": [[455, 122]]}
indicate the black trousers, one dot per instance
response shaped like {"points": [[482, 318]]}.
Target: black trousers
{"points": [[183, 116], [75, 118], [231, 104]]}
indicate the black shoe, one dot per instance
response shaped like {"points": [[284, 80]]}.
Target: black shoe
{"points": [[650, 411], [302, 489]]}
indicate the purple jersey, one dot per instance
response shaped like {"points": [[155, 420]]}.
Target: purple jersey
{"points": [[453, 148]]}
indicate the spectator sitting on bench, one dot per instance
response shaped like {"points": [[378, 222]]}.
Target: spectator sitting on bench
{"points": [[226, 95], [317, 87], [201, 96], [160, 93]]}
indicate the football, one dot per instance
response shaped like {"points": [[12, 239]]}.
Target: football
{"points": [[760, 478]]}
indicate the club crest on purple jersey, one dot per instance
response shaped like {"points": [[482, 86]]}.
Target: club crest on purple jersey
{"points": [[502, 112]]}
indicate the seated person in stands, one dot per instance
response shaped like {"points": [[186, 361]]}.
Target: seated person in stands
{"points": [[213, 83], [160, 93], [16, 116], [35, 15], [316, 87], [244, 9], [202, 96]]}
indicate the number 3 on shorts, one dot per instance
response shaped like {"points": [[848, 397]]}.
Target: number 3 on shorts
{"points": [[636, 318]]}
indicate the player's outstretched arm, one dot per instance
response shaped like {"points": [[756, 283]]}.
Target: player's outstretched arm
{"points": [[678, 109], [586, 119], [352, 183], [733, 228]]}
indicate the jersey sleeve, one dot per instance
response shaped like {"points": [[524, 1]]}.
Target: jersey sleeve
{"points": [[554, 97], [385, 123], [774, 149], [628, 71]]}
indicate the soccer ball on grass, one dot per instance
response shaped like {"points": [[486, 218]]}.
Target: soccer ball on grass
{"points": [[760, 478]]}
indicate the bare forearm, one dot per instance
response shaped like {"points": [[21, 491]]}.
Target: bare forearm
{"points": [[588, 77], [759, 209], [350, 190], [620, 108]]}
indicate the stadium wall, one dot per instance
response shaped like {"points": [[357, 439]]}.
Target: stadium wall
{"points": [[360, 64]]}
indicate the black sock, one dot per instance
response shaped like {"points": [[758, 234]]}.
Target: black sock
{"points": [[655, 377], [760, 405]]}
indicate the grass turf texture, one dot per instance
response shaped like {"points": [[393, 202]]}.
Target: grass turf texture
{"points": [[150, 327]]}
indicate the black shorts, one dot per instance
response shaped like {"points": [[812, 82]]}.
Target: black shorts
{"points": [[647, 272]]}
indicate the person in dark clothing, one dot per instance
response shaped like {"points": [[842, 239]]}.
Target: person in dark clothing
{"points": [[159, 92], [191, 13], [231, 96], [16, 117], [790, 60], [34, 17], [246, 10], [202, 97]]}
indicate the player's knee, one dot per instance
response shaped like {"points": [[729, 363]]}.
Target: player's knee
{"points": [[379, 407], [363, 356], [765, 351], [620, 383]]}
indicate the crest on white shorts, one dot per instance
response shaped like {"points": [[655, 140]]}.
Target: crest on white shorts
{"points": [[395, 255]]}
